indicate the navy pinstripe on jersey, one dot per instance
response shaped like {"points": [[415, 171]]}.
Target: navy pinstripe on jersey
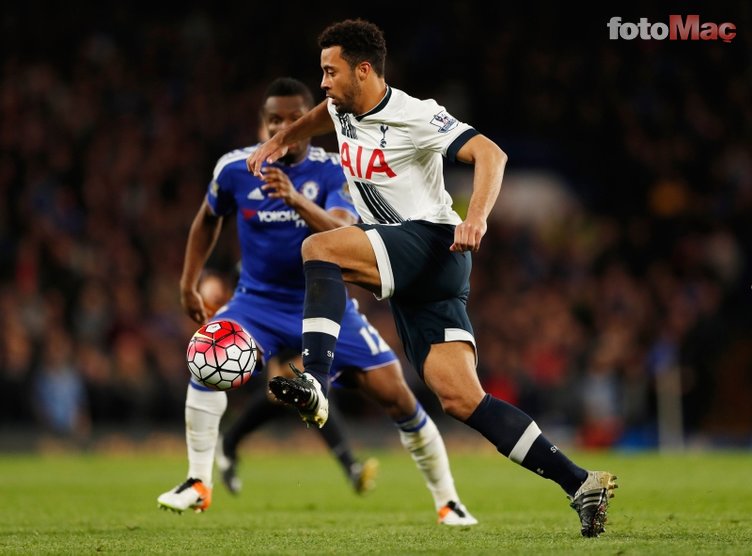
{"points": [[381, 210]]}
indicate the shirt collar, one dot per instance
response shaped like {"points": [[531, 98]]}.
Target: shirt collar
{"points": [[380, 106]]}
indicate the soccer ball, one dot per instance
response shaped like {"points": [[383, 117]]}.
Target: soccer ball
{"points": [[221, 355]]}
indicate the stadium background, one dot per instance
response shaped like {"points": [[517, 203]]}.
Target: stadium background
{"points": [[611, 295]]}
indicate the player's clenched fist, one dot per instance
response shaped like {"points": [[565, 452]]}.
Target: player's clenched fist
{"points": [[467, 235]]}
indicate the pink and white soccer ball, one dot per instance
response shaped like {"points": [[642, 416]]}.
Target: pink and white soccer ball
{"points": [[222, 355]]}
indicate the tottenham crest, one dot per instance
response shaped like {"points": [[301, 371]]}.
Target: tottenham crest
{"points": [[384, 129]]}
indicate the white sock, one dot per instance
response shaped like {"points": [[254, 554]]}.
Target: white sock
{"points": [[203, 411], [426, 446]]}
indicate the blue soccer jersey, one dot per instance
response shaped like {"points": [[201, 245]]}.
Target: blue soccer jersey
{"points": [[269, 231], [269, 300]]}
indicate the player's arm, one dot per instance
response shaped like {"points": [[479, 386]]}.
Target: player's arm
{"points": [[202, 238], [320, 220], [316, 122], [489, 161], [279, 186]]}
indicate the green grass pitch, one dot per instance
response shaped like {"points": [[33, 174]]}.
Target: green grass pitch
{"points": [[301, 504]]}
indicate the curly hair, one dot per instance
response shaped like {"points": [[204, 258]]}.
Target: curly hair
{"points": [[360, 40], [289, 87]]}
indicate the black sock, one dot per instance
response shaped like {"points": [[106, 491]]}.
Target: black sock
{"points": [[517, 437], [334, 436], [322, 314], [257, 411]]}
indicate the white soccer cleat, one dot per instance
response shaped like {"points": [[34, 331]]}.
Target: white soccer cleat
{"points": [[192, 494], [304, 393], [455, 513]]}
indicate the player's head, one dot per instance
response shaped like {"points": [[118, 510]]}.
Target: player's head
{"points": [[352, 52], [285, 100], [215, 291]]}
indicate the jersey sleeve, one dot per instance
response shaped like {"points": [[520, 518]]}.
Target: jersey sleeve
{"points": [[435, 129], [337, 192], [220, 192]]}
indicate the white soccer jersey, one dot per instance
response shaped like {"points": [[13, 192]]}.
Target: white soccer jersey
{"points": [[392, 158]]}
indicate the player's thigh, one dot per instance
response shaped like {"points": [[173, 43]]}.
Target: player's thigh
{"points": [[348, 248], [420, 326], [449, 371], [415, 263]]}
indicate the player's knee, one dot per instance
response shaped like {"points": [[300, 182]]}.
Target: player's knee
{"points": [[314, 248]]}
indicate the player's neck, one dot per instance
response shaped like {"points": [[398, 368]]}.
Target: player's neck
{"points": [[373, 93]]}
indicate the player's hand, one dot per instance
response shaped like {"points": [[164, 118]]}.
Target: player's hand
{"points": [[468, 234], [268, 152], [279, 186], [193, 304]]}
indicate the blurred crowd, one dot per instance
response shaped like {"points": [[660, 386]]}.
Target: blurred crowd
{"points": [[110, 128]]}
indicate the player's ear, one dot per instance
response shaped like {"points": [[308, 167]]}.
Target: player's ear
{"points": [[363, 70]]}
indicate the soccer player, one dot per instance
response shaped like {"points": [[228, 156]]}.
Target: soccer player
{"points": [[413, 249], [304, 191]]}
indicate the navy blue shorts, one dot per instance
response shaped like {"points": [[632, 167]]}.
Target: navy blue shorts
{"points": [[427, 284]]}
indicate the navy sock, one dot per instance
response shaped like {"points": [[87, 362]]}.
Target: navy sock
{"points": [[323, 309], [517, 437]]}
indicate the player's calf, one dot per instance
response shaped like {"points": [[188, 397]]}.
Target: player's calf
{"points": [[227, 465]]}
